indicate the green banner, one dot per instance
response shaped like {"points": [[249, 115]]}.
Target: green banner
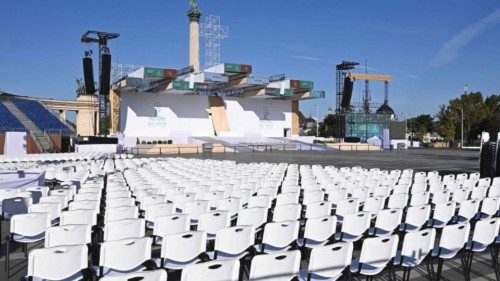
{"points": [[152, 72]]}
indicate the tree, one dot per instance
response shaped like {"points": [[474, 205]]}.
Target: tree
{"points": [[421, 125]]}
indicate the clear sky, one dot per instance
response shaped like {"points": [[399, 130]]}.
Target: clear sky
{"points": [[431, 48]]}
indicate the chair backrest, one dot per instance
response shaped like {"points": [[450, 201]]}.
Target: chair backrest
{"points": [[416, 245], [336, 195], [151, 200], [453, 239], [313, 196], [494, 190], [280, 234], [156, 275], [378, 250], [124, 255], [329, 261], [318, 209], [357, 223], [374, 204], [16, 205], [214, 221], [62, 199], [121, 213], [398, 201], [486, 231], [157, 210], [183, 247], [68, 235], [195, 208], [263, 201], [441, 196], [124, 229], [490, 206], [288, 212], [171, 224], [417, 216], [287, 198], [118, 202], [118, 194], [88, 217], [348, 206], [280, 267], [232, 205], [85, 205], [387, 221], [233, 241], [87, 196], [479, 192], [212, 271], [468, 209], [320, 229], [252, 216], [31, 224], [443, 212], [57, 263], [418, 199]]}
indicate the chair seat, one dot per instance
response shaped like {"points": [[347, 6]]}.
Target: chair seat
{"points": [[28, 239], [367, 269], [303, 276], [171, 264]]}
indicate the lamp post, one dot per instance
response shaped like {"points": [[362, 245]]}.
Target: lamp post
{"points": [[462, 127], [317, 120]]}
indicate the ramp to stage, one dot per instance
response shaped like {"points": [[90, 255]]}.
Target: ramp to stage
{"points": [[219, 115]]}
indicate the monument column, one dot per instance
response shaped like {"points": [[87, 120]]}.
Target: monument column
{"points": [[194, 16]]}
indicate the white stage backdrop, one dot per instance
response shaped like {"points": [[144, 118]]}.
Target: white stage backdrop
{"points": [[145, 115], [258, 117], [163, 115], [15, 143]]}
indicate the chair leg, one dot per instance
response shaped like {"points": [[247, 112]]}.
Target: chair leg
{"points": [[463, 261], [439, 269], [494, 258], [430, 269], [7, 256]]}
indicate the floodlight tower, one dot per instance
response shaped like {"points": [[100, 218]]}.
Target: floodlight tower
{"points": [[102, 39], [213, 33]]}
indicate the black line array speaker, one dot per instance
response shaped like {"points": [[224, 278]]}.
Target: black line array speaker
{"points": [[105, 79], [347, 93], [88, 76]]}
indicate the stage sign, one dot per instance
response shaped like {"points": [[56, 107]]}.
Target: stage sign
{"points": [[252, 80], [215, 77], [185, 70], [276, 78]]}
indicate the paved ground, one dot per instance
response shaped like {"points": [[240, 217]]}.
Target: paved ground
{"points": [[444, 161]]}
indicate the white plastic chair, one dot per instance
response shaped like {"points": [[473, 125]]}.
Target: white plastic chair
{"points": [[398, 201], [443, 213], [318, 231], [157, 210], [287, 198], [354, 226], [485, 233], [377, 254], [288, 212], [417, 247], [276, 267], [172, 224], [318, 209], [416, 217], [214, 221], [453, 239], [87, 217], [182, 249], [278, 236], [253, 216], [59, 263], [328, 262], [124, 229], [234, 242], [387, 222], [348, 206], [67, 235], [467, 210], [125, 256], [121, 213]]}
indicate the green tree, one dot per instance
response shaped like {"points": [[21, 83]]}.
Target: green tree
{"points": [[421, 125]]}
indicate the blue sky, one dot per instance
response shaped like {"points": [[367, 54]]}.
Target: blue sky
{"points": [[431, 48]]}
